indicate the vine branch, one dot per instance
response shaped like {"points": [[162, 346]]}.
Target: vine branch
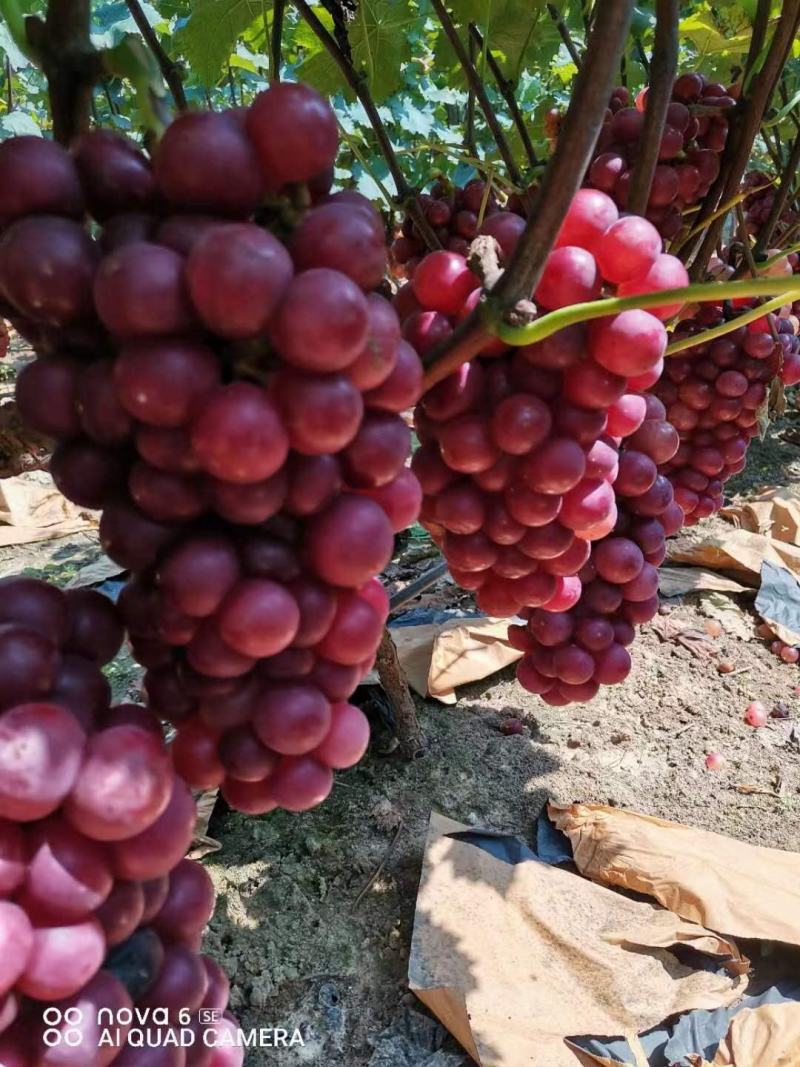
{"points": [[170, 71], [64, 50], [507, 92], [476, 85], [758, 36], [745, 126], [561, 180], [564, 34], [663, 68], [469, 118], [782, 195], [358, 84], [276, 34]]}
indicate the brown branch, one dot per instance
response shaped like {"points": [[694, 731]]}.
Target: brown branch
{"points": [[476, 84], [640, 52], [69, 62], [748, 260], [469, 118], [507, 92], [564, 34], [562, 179], [759, 35], [663, 68], [358, 84], [276, 33], [170, 71], [745, 124], [232, 87], [781, 198], [395, 685]]}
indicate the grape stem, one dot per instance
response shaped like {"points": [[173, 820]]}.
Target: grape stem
{"points": [[663, 67], [170, 71], [704, 292], [506, 88], [510, 298], [726, 327], [479, 89], [565, 35], [357, 83]]}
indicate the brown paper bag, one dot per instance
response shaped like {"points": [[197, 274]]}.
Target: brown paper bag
{"points": [[514, 959], [739, 889], [768, 1036]]}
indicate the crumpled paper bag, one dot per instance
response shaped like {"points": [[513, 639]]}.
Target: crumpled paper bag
{"points": [[778, 602], [727, 885], [516, 958], [768, 1036], [438, 657], [32, 509], [775, 513], [739, 551]]}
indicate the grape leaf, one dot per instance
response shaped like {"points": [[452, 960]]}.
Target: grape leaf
{"points": [[209, 36], [380, 43]]}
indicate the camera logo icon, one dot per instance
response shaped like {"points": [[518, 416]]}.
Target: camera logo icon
{"points": [[56, 1033]]}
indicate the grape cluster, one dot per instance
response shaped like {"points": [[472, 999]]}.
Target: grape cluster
{"points": [[694, 136], [569, 654], [457, 215], [98, 908], [520, 460], [226, 386], [712, 393], [758, 203]]}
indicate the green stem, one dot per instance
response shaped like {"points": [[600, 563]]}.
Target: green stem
{"points": [[351, 144], [14, 18], [726, 327], [597, 309]]}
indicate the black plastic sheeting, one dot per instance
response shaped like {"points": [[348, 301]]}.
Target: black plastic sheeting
{"points": [[664, 1045]]}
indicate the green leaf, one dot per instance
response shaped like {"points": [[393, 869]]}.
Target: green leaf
{"points": [[16, 56], [209, 36], [321, 72], [380, 44], [16, 123]]}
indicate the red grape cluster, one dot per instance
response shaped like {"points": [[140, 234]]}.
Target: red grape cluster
{"points": [[94, 825], [694, 136], [457, 216], [520, 460], [712, 393], [226, 386], [758, 203], [569, 654]]}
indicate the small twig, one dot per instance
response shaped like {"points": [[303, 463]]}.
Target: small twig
{"points": [[469, 118], [642, 55], [358, 84], [663, 68], [170, 71], [110, 99], [507, 92], [476, 84], [380, 868], [9, 86], [232, 87], [564, 34], [744, 238], [562, 179], [782, 194], [276, 33]]}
